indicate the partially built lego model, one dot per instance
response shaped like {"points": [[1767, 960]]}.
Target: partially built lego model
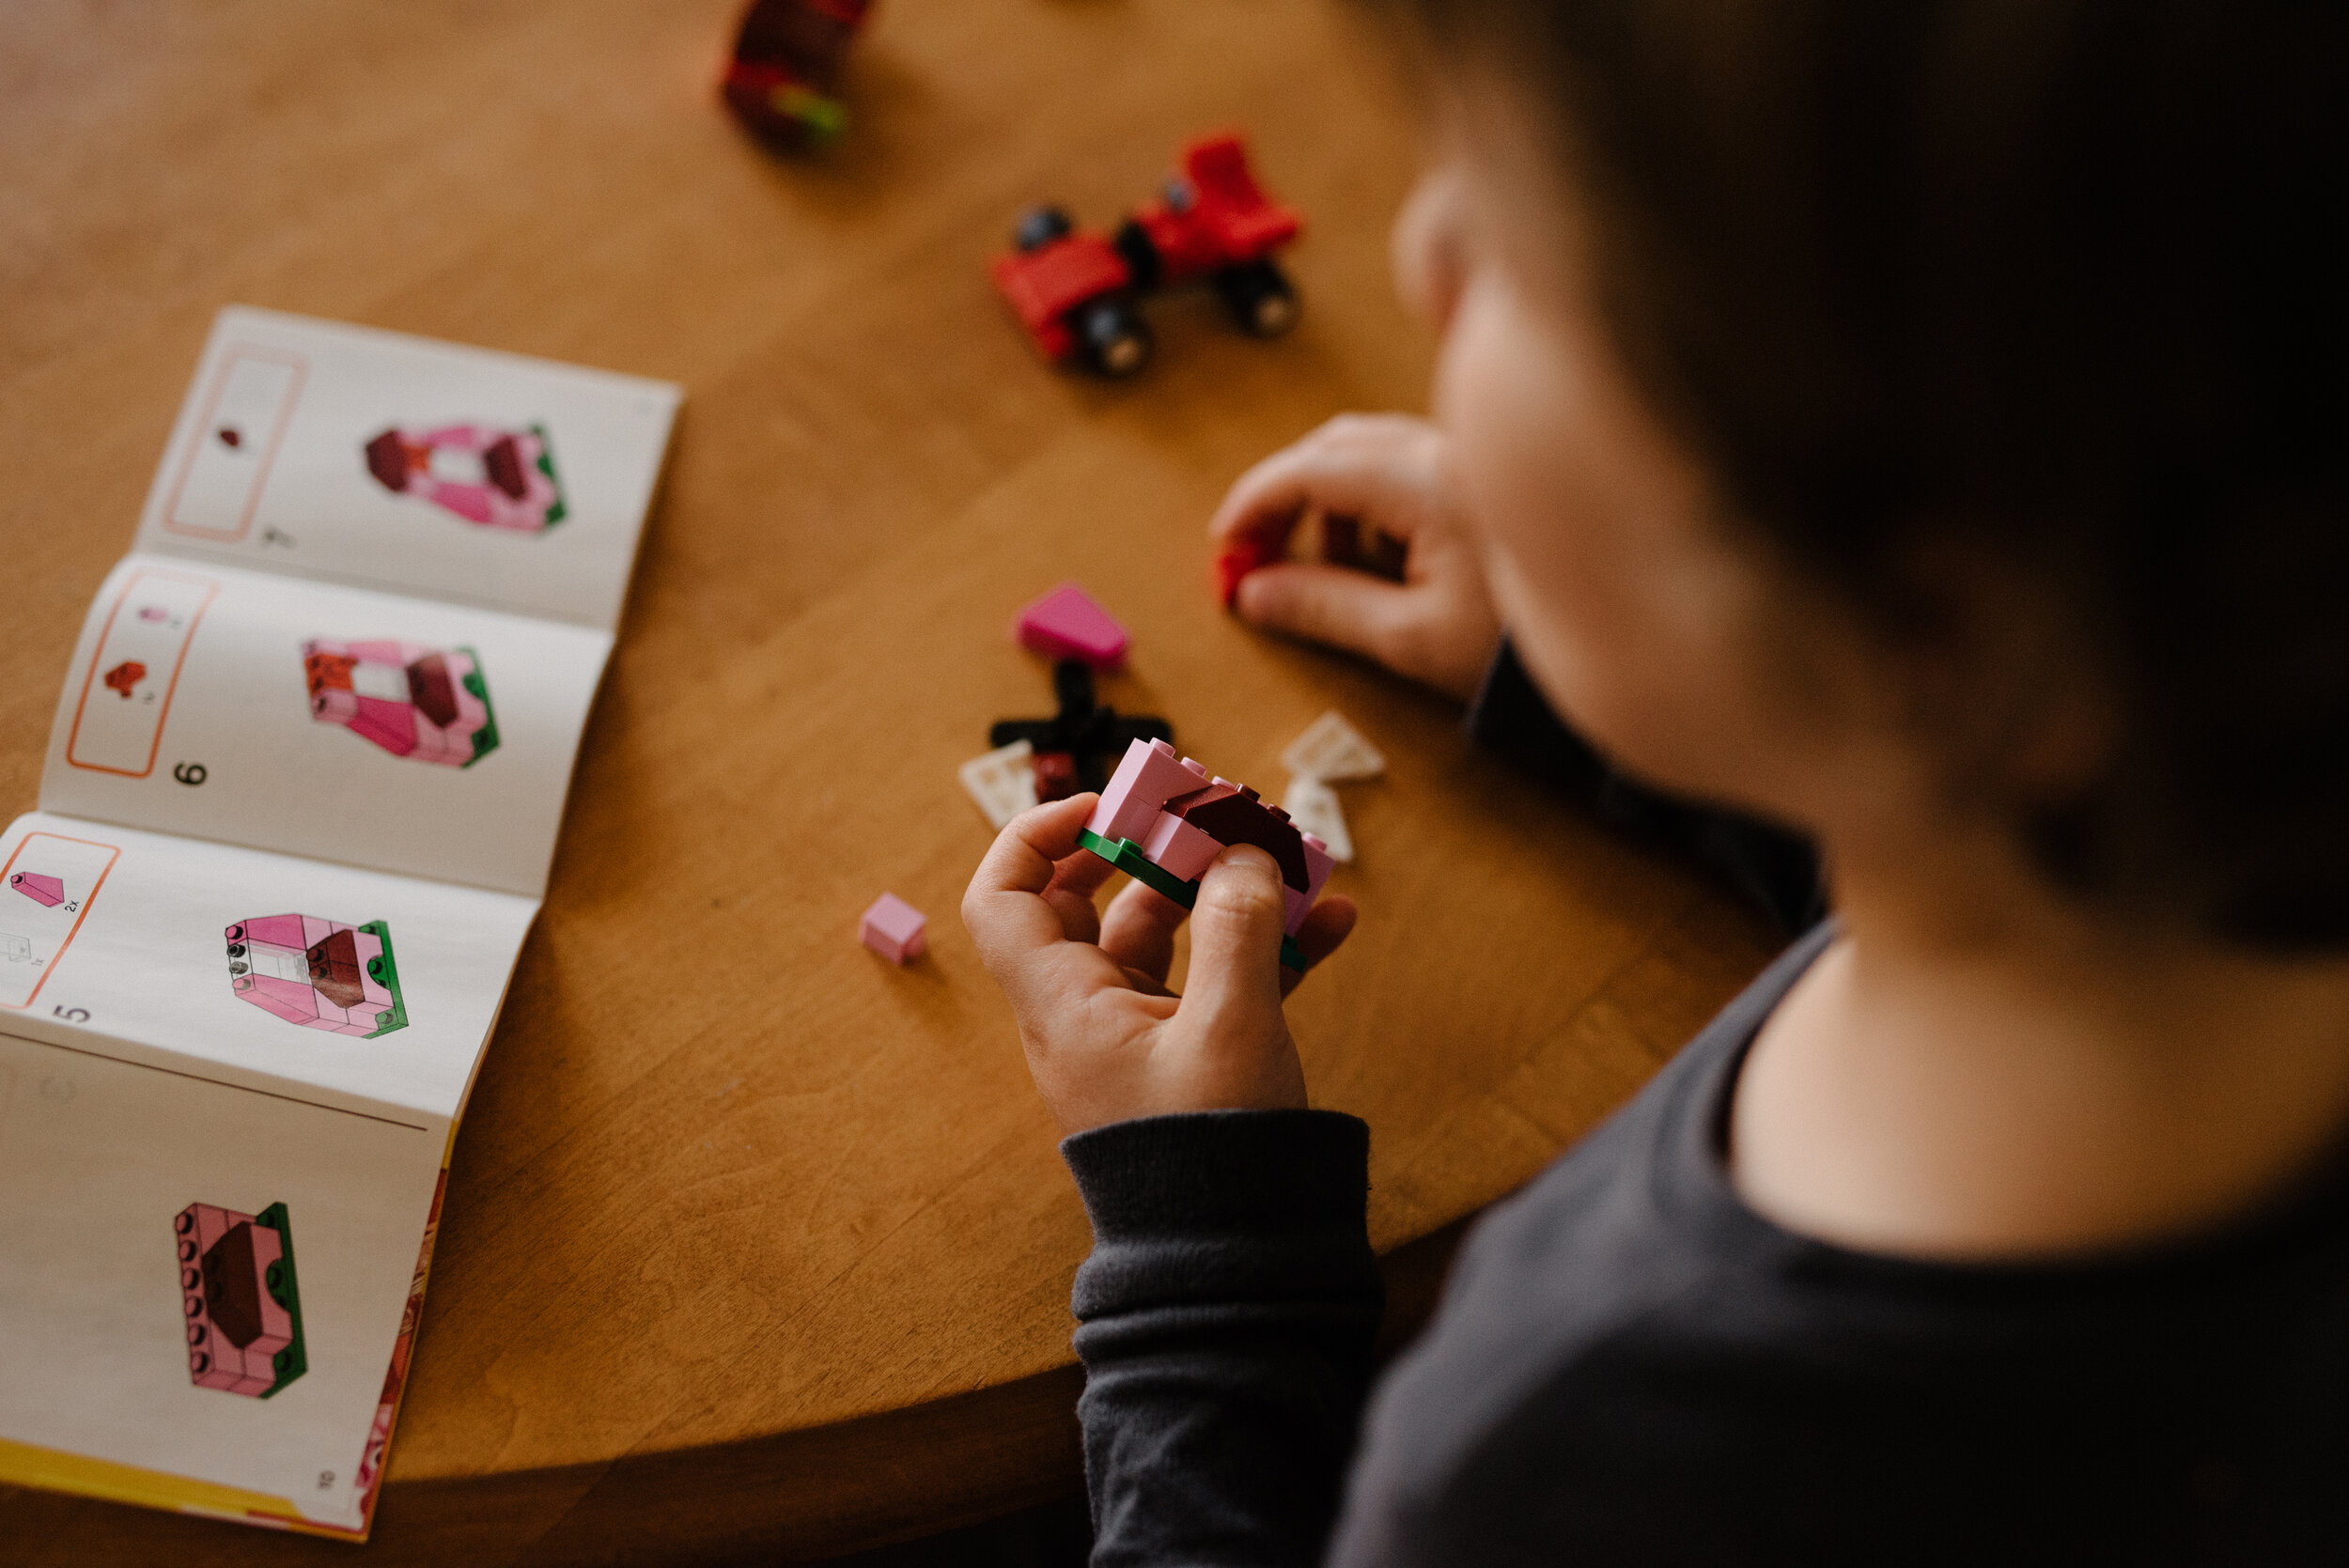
{"points": [[783, 80], [499, 478], [414, 701], [1163, 822], [239, 1295], [319, 973]]}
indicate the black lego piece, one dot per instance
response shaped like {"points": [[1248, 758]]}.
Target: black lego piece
{"points": [[1096, 738]]}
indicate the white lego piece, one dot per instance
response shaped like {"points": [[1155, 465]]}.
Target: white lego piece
{"points": [[1003, 782], [1313, 805], [1333, 749]]}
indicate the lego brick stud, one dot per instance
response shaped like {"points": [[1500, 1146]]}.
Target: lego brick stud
{"points": [[893, 928]]}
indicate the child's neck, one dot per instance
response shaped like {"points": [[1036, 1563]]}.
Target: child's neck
{"points": [[1976, 1070]]}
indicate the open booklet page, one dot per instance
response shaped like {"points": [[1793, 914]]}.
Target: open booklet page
{"points": [[204, 1285], [402, 463], [342, 987], [428, 739]]}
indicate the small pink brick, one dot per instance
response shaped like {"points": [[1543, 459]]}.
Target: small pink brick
{"points": [[45, 891], [892, 929], [1068, 624]]}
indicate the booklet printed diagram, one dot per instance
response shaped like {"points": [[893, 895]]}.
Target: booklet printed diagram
{"points": [[301, 796]]}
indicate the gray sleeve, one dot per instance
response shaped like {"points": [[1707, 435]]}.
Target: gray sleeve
{"points": [[1226, 1316]]}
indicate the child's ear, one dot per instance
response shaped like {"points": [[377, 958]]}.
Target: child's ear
{"points": [[1426, 246], [2007, 684]]}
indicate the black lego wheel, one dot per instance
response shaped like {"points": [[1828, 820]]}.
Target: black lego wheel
{"points": [[1114, 337], [1039, 227], [1260, 297]]}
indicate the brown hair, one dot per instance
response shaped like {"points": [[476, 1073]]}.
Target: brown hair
{"points": [[2064, 277]]}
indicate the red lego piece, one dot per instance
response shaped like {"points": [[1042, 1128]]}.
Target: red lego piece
{"points": [[783, 80], [1055, 774], [1072, 292], [124, 678], [1211, 217], [1243, 556]]}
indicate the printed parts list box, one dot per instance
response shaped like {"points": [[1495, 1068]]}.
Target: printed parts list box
{"points": [[126, 691]]}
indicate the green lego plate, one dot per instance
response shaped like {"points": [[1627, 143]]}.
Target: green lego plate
{"points": [[292, 1362], [386, 974], [1128, 857], [485, 739], [561, 509]]}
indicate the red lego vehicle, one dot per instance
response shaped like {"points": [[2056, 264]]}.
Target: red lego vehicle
{"points": [[1077, 293]]}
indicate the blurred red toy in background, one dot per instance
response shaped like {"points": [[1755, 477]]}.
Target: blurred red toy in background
{"points": [[1077, 294], [785, 78]]}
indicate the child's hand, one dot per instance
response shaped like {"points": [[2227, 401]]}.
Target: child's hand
{"points": [[1105, 1039], [1390, 472]]}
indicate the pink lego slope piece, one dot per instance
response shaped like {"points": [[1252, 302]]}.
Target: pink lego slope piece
{"points": [[48, 891], [1146, 779], [1068, 624], [892, 929]]}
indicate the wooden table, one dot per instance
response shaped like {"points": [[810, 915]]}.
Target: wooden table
{"points": [[754, 1243]]}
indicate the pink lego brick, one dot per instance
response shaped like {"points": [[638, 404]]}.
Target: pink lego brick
{"points": [[48, 891], [1179, 849], [1148, 777], [893, 928], [1068, 624]]}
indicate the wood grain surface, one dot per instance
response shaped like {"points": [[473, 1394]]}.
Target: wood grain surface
{"points": [[754, 1245]]}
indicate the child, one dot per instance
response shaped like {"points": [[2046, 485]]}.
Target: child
{"points": [[1921, 424]]}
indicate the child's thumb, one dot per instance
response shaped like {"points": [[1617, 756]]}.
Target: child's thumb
{"points": [[1236, 939]]}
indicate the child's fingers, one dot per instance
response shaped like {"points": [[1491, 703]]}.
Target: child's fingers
{"points": [[1328, 604], [1004, 907], [1327, 925], [1353, 466], [1075, 880], [1235, 977], [1137, 932]]}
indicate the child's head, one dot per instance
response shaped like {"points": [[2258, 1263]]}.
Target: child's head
{"points": [[1882, 413]]}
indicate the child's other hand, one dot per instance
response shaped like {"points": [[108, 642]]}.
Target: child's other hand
{"points": [[1105, 1039], [1392, 473]]}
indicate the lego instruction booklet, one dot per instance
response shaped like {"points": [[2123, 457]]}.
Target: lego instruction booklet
{"points": [[302, 791]]}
